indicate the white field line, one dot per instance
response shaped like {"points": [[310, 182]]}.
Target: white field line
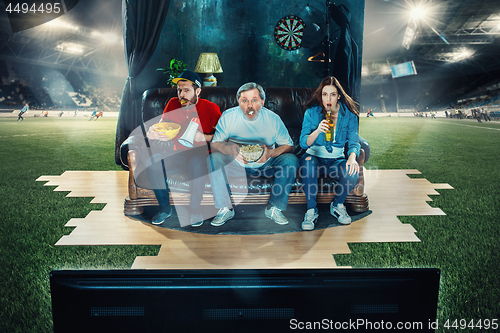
{"points": [[444, 122], [51, 134]]}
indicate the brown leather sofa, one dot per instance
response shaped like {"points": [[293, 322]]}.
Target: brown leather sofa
{"points": [[286, 102]]}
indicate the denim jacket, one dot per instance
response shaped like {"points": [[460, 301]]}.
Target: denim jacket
{"points": [[346, 130]]}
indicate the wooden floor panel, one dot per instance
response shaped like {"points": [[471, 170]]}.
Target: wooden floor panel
{"points": [[391, 193]]}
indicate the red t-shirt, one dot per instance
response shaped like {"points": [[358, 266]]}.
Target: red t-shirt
{"points": [[207, 112]]}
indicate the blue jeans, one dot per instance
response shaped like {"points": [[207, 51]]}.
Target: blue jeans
{"points": [[193, 161], [311, 167], [283, 168]]}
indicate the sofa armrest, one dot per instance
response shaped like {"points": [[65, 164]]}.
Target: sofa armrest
{"points": [[366, 147], [361, 157], [359, 188], [126, 146]]}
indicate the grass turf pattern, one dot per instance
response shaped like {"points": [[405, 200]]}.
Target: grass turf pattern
{"points": [[33, 216], [463, 244]]}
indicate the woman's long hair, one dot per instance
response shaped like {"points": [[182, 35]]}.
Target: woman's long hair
{"points": [[344, 98]]}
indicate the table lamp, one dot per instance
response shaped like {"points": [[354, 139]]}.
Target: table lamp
{"points": [[208, 63]]}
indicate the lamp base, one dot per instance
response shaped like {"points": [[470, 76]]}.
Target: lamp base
{"points": [[209, 80]]}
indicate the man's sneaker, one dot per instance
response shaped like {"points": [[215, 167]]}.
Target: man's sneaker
{"points": [[276, 215], [196, 220], [162, 215], [340, 213], [309, 219], [222, 216]]}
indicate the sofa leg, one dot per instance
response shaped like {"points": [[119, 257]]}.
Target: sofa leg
{"points": [[132, 162], [359, 189], [132, 207], [358, 204]]}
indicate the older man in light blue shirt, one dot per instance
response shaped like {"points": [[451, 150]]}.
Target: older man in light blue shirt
{"points": [[251, 123]]}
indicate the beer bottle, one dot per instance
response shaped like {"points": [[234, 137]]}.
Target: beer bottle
{"points": [[328, 133]]}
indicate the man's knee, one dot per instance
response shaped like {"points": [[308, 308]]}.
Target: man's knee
{"points": [[290, 161], [198, 164], [215, 161]]}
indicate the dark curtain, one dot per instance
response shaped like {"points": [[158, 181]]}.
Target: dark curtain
{"points": [[142, 24], [346, 57]]}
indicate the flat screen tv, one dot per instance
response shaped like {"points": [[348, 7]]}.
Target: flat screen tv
{"points": [[244, 300]]}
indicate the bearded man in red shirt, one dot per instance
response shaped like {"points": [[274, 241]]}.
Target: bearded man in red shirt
{"points": [[182, 110]]}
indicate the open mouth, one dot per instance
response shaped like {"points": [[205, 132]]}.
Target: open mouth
{"points": [[251, 112], [183, 101]]}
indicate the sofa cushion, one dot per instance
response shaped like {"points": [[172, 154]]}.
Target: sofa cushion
{"points": [[179, 182]]}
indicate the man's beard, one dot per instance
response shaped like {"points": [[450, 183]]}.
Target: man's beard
{"points": [[192, 102], [252, 113]]}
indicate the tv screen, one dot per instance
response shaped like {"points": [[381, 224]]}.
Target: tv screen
{"points": [[244, 300], [404, 69]]}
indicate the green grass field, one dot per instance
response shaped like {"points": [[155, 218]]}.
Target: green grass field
{"points": [[463, 244]]}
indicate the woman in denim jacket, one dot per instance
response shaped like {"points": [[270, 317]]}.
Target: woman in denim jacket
{"points": [[327, 157]]}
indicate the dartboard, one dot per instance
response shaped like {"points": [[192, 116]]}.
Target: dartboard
{"points": [[289, 31]]}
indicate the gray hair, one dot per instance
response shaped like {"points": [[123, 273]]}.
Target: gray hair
{"points": [[249, 86]]}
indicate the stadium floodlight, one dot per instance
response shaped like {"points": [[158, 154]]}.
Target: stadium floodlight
{"points": [[109, 37], [411, 32], [418, 13], [58, 24], [73, 48], [364, 71], [461, 54]]}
